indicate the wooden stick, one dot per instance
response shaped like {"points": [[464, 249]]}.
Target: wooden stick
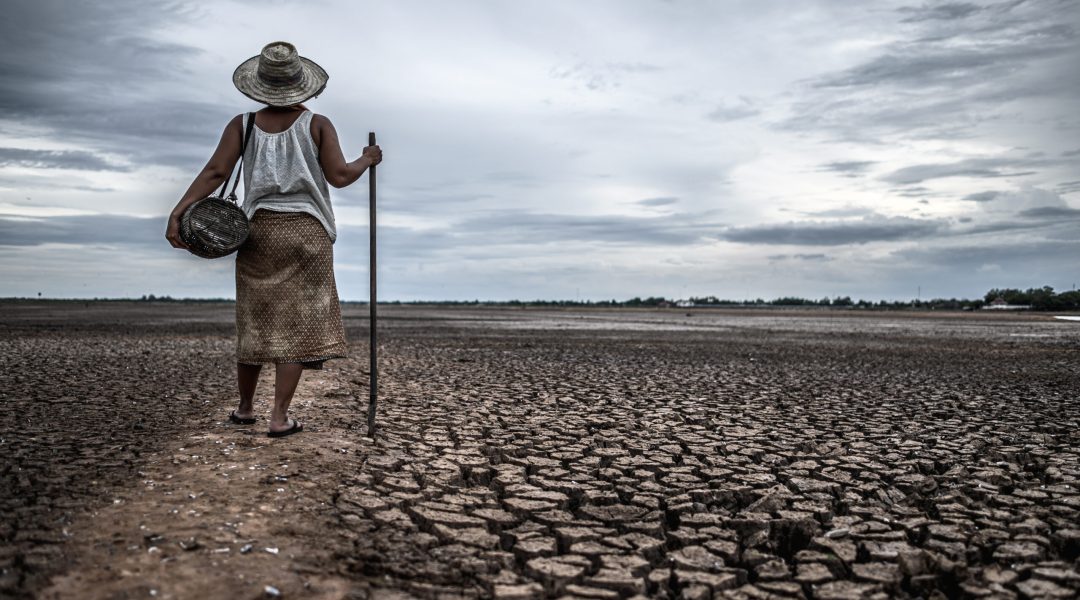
{"points": [[374, 367]]}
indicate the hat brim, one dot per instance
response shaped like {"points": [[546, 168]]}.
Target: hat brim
{"points": [[311, 84]]}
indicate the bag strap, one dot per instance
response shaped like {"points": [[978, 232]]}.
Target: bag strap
{"points": [[243, 149]]}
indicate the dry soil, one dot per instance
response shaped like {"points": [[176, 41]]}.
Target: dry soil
{"points": [[545, 454]]}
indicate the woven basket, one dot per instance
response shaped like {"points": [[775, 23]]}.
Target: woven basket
{"points": [[213, 227]]}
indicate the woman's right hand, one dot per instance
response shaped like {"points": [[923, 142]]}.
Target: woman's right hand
{"points": [[172, 233], [373, 154]]}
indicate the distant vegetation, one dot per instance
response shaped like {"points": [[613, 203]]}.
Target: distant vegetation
{"points": [[153, 298], [1041, 299]]}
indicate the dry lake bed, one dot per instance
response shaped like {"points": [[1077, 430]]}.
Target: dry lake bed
{"points": [[527, 453]]}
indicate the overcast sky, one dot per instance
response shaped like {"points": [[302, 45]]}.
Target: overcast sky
{"points": [[564, 149]]}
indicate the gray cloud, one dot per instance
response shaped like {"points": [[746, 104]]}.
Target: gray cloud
{"points": [[943, 12], [982, 196], [972, 167], [925, 64], [144, 236], [1066, 187], [499, 228], [959, 69], [1003, 227], [835, 233], [848, 168], [1051, 212], [661, 201], [412, 203], [1030, 255], [84, 230], [839, 213], [519, 234], [33, 182], [519, 227], [917, 191], [733, 111], [94, 77], [1022, 198], [817, 257], [56, 159]]}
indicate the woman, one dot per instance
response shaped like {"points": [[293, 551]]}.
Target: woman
{"points": [[287, 309]]}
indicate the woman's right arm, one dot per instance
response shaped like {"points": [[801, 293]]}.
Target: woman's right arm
{"points": [[338, 172], [215, 172]]}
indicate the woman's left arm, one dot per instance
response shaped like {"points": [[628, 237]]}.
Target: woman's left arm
{"points": [[337, 171], [217, 169]]}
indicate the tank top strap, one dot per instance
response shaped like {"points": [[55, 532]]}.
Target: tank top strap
{"points": [[305, 121], [302, 129]]}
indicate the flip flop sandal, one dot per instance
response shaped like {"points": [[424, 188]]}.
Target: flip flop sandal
{"points": [[296, 428], [240, 420]]}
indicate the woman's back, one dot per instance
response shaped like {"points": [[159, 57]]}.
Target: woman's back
{"points": [[276, 121], [282, 170]]}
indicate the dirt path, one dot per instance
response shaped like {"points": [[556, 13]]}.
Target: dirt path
{"points": [[226, 512]]}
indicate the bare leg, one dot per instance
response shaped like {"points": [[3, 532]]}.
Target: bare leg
{"points": [[288, 376], [247, 379]]}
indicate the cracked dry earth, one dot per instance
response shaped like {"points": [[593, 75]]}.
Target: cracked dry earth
{"points": [[546, 454]]}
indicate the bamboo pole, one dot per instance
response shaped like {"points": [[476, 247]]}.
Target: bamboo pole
{"points": [[373, 383]]}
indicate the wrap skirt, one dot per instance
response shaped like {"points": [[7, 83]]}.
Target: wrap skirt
{"points": [[287, 308]]}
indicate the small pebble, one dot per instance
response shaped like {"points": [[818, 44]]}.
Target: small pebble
{"points": [[272, 592]]}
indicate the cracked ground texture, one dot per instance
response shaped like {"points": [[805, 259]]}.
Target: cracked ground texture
{"points": [[546, 454]]}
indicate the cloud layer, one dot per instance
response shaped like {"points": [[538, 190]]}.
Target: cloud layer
{"points": [[818, 148]]}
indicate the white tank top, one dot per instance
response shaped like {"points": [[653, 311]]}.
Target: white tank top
{"points": [[282, 173]]}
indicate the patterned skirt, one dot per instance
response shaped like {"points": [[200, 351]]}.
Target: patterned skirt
{"points": [[287, 306]]}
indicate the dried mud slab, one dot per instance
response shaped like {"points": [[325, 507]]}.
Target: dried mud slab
{"points": [[787, 456]]}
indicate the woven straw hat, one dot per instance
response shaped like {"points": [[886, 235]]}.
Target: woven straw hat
{"points": [[279, 76]]}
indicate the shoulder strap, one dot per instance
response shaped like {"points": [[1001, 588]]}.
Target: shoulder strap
{"points": [[243, 148]]}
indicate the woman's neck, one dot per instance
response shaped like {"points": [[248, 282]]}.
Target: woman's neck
{"points": [[285, 109]]}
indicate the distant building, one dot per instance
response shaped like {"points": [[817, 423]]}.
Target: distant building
{"points": [[999, 303], [685, 304]]}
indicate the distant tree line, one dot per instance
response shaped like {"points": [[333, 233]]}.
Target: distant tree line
{"points": [[153, 298], [1041, 299]]}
